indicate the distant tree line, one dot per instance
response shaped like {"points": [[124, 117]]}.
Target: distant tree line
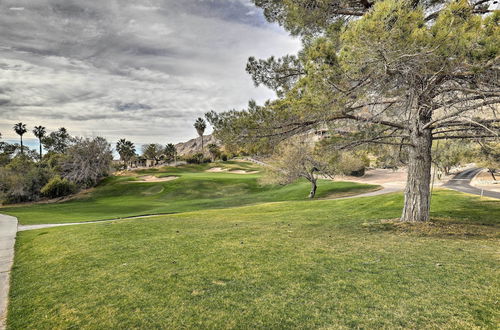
{"points": [[69, 164], [154, 154]]}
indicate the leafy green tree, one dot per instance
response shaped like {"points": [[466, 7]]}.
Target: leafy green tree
{"points": [[200, 125], [171, 152], [402, 74], [39, 132], [126, 150], [57, 141], [20, 130]]}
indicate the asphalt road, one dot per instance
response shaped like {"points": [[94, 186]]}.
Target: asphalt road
{"points": [[461, 182]]}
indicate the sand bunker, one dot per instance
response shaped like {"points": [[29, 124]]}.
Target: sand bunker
{"points": [[151, 178], [220, 169], [243, 172], [216, 170]]}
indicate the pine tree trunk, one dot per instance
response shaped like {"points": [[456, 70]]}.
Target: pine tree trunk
{"points": [[417, 193], [492, 172], [313, 189]]}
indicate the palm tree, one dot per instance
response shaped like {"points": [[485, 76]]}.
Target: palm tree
{"points": [[39, 132], [20, 129], [200, 126], [126, 150]]}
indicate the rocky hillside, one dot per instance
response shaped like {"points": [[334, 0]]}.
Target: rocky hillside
{"points": [[194, 145]]}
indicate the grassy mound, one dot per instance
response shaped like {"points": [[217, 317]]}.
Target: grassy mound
{"points": [[194, 189], [295, 264]]}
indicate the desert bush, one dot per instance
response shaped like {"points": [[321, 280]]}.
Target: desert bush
{"points": [[87, 161], [353, 164]]}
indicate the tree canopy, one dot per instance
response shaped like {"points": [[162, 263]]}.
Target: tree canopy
{"points": [[405, 73]]}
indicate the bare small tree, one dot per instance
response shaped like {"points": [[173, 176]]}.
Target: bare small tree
{"points": [[87, 161], [297, 159], [489, 157]]}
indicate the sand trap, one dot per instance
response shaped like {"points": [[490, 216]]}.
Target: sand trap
{"points": [[151, 178], [220, 169], [378, 176], [243, 172], [216, 170]]}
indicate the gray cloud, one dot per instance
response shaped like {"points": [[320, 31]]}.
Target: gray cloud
{"points": [[140, 69]]}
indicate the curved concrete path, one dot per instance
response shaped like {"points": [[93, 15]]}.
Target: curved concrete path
{"points": [[461, 182], [8, 229], [50, 225], [383, 191]]}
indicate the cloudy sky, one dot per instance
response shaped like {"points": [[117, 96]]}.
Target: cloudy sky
{"points": [[142, 69]]}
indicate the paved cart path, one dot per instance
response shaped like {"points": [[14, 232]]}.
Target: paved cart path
{"points": [[461, 182], [8, 229]]}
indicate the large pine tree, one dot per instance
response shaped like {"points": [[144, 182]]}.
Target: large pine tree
{"points": [[403, 73]]}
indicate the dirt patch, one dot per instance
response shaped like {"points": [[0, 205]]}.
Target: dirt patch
{"points": [[151, 178]]}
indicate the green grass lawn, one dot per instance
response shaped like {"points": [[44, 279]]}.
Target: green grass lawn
{"points": [[195, 189], [294, 264]]}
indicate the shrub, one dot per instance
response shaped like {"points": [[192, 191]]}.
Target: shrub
{"points": [[352, 164], [22, 180], [223, 157], [58, 187], [197, 158]]}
